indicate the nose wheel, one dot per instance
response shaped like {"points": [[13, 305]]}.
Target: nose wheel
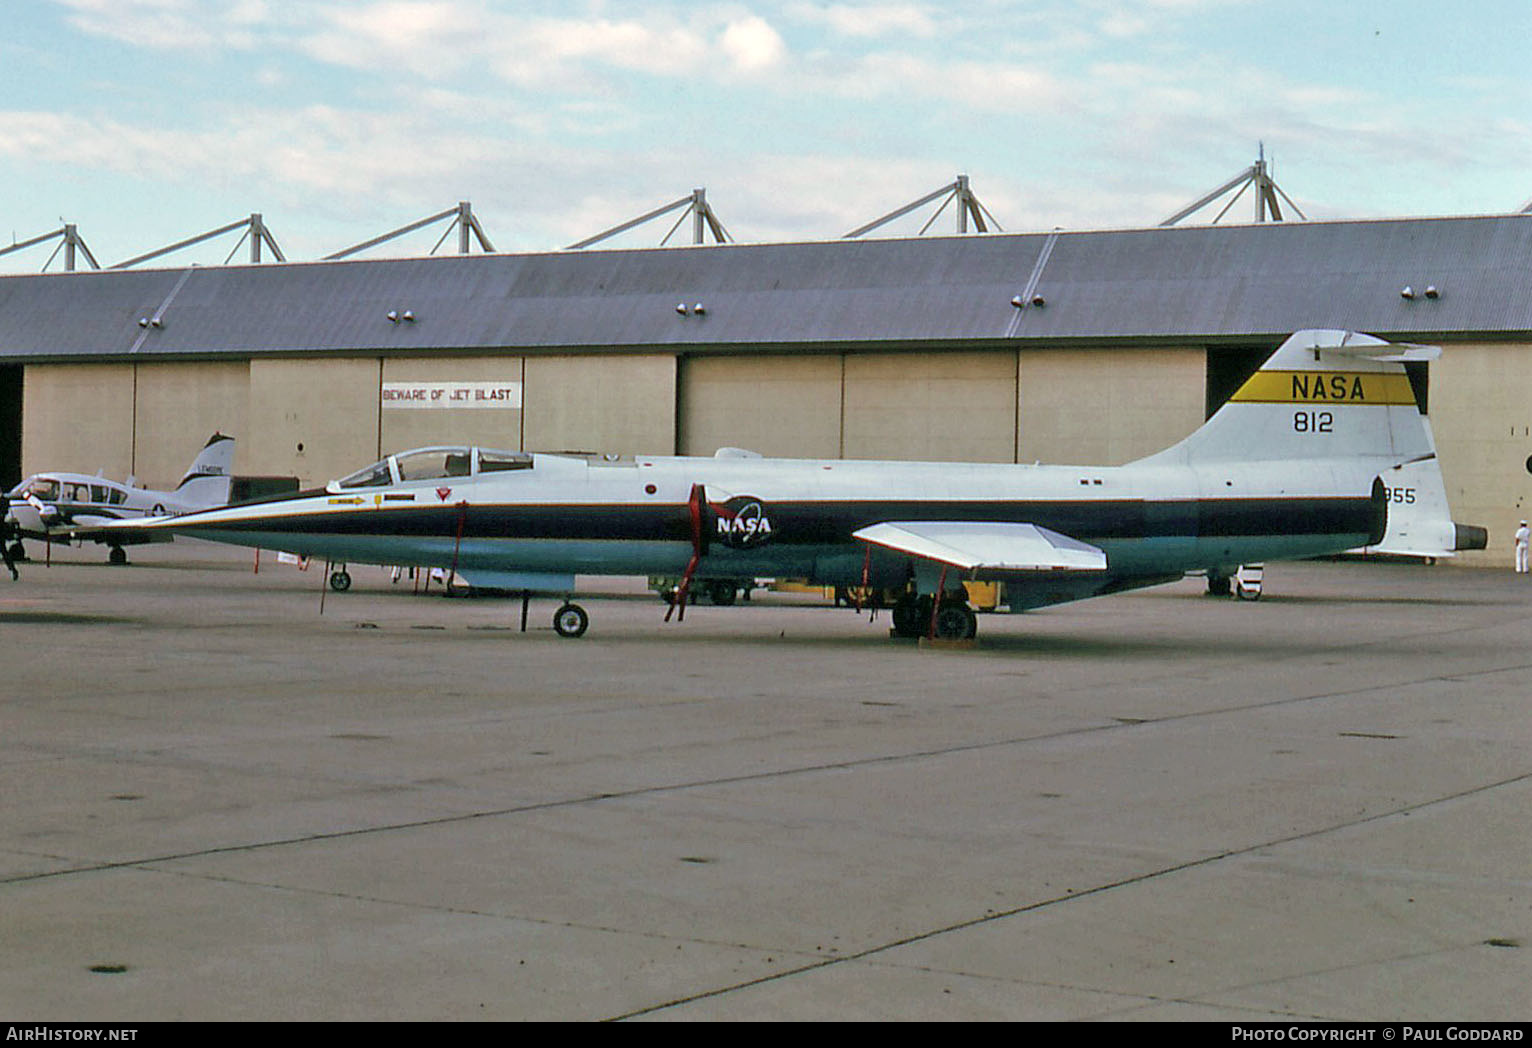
{"points": [[570, 620]]}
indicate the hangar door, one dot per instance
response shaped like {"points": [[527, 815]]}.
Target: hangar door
{"points": [[177, 407], [10, 425], [945, 406], [937, 407], [314, 418], [79, 417], [1228, 368], [1107, 406], [624, 404], [781, 406]]}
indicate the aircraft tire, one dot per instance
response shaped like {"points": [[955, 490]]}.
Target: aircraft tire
{"points": [[721, 592], [117, 556], [955, 621], [570, 620], [1219, 586], [18, 552], [340, 581]]}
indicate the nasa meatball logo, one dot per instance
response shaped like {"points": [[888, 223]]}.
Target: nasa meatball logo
{"points": [[743, 523]]}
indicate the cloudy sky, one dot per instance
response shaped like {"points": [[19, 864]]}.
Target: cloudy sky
{"points": [[145, 121]]}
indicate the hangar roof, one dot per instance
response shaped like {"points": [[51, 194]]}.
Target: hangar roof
{"points": [[1210, 284]]}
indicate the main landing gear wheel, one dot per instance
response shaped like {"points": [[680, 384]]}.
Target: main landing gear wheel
{"points": [[340, 580], [721, 592], [18, 552], [117, 556], [955, 621], [570, 620]]}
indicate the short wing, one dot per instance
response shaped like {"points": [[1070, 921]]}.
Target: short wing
{"points": [[986, 549]]}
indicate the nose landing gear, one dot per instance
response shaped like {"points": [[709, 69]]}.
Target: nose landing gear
{"points": [[570, 620]]}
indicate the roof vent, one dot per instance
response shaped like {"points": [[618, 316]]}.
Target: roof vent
{"points": [[1431, 292], [1407, 292]]}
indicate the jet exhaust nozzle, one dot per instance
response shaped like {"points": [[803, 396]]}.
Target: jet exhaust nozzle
{"points": [[1469, 536]]}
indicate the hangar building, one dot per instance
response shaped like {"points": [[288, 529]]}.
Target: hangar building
{"points": [[1090, 347]]}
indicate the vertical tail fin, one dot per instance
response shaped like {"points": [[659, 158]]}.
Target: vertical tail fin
{"points": [[208, 479], [1321, 395]]}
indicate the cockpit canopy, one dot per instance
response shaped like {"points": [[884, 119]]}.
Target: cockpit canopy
{"points": [[439, 463], [40, 487], [79, 490]]}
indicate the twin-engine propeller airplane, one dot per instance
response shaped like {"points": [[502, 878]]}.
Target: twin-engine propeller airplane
{"points": [[67, 507], [1288, 468]]}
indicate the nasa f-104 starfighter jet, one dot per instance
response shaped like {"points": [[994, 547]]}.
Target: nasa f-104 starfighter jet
{"points": [[67, 507], [1288, 468]]}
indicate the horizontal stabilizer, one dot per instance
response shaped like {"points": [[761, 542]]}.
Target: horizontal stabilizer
{"points": [[1392, 353], [986, 549]]}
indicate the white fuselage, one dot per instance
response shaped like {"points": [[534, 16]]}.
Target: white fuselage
{"points": [[795, 518], [1287, 468]]}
